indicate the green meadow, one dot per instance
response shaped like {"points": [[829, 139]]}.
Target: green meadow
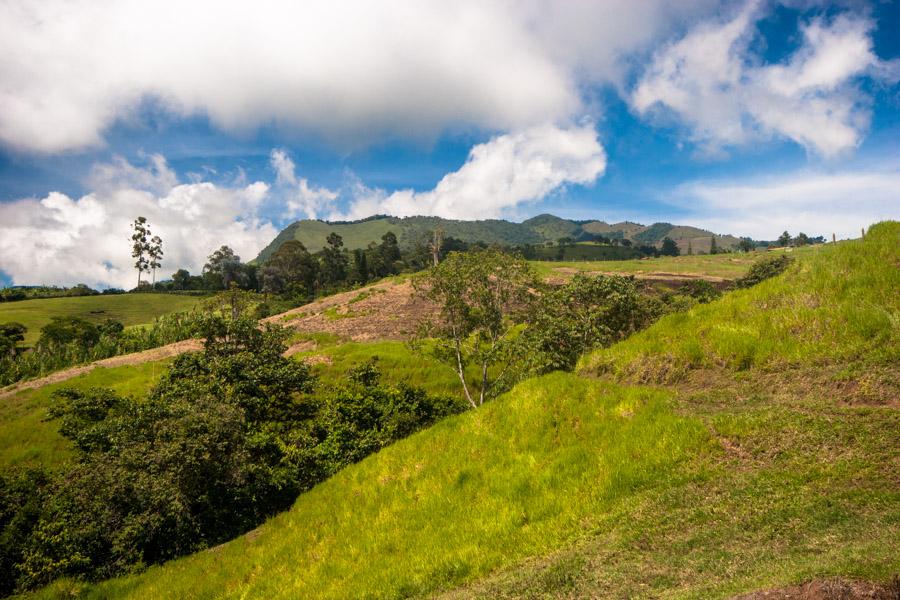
{"points": [[130, 309], [749, 443]]}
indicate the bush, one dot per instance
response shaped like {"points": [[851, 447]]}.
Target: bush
{"points": [[764, 268]]}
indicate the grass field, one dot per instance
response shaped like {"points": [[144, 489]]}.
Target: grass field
{"points": [[750, 469], [26, 437], [725, 266], [130, 309]]}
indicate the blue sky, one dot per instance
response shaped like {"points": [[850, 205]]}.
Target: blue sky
{"points": [[235, 119]]}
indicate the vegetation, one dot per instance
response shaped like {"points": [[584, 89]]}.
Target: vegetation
{"points": [[743, 478], [228, 437], [477, 294], [128, 309]]}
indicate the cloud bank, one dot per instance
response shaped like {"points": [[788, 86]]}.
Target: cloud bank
{"points": [[353, 71], [842, 203], [63, 240]]}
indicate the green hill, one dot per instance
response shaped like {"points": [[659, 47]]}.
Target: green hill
{"points": [[130, 309], [769, 458], [537, 230]]}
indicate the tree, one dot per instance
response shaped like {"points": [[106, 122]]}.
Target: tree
{"points": [[224, 265], [181, 279], [801, 240], [334, 260], [291, 269], [390, 252], [784, 239], [154, 254], [140, 246], [437, 239], [690, 248], [68, 330], [745, 245], [713, 247], [477, 294], [669, 247], [10, 336], [588, 312]]}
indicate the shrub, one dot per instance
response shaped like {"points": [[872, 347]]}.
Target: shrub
{"points": [[764, 268]]}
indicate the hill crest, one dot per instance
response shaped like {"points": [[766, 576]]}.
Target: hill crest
{"points": [[539, 229]]}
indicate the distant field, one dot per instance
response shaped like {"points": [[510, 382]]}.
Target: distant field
{"points": [[725, 266], [130, 309]]}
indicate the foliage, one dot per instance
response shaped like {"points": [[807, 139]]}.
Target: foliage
{"points": [[22, 292], [10, 336], [669, 247], [478, 294], [700, 290], [764, 268], [585, 313], [226, 438]]}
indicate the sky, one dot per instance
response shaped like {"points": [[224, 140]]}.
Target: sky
{"points": [[222, 122]]}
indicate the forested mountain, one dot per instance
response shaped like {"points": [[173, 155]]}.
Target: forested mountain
{"points": [[537, 230]]}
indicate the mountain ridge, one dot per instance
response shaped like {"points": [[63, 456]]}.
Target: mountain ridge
{"points": [[539, 229]]}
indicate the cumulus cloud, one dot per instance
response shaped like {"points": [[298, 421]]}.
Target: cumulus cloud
{"points": [[726, 97], [301, 199], [498, 175], [352, 71], [63, 240], [816, 203]]}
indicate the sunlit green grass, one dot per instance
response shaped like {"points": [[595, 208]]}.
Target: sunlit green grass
{"points": [[524, 474], [27, 437], [397, 362], [130, 309], [837, 303]]}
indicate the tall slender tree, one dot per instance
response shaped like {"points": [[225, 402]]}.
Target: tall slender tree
{"points": [[155, 254], [140, 246]]}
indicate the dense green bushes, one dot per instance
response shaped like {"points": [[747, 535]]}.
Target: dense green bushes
{"points": [[68, 341], [227, 438]]}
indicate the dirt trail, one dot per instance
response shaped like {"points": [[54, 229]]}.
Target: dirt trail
{"points": [[116, 361]]}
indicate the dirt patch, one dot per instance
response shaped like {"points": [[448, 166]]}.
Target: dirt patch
{"points": [[317, 359], [116, 361], [304, 346], [830, 589], [385, 311]]}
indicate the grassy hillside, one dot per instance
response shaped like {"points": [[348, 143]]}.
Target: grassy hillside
{"points": [[26, 437], [130, 309], [769, 459], [537, 230]]}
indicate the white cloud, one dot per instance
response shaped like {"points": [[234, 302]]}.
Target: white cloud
{"points": [[815, 203], [711, 82], [353, 71], [301, 198], [498, 176], [64, 240]]}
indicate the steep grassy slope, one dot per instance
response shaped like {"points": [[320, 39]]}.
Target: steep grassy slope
{"points": [[765, 462], [130, 309]]}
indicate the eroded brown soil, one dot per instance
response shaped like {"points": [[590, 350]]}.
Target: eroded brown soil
{"points": [[830, 589]]}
